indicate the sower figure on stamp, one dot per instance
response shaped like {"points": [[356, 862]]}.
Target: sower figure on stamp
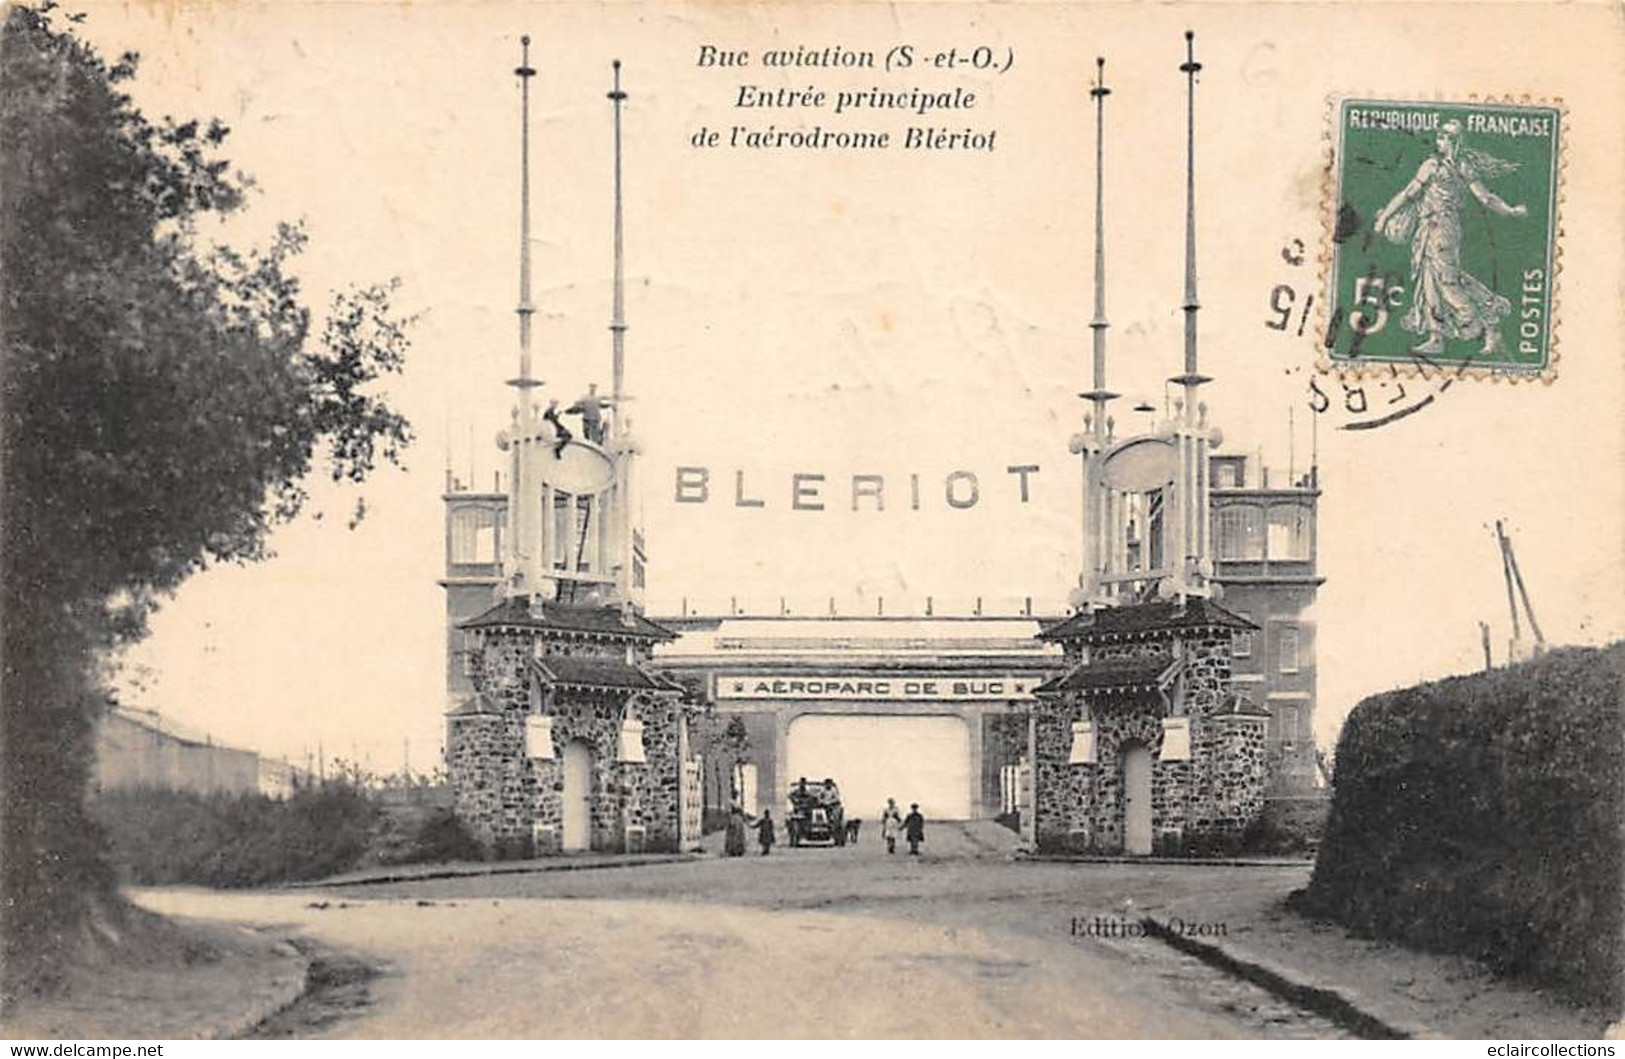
{"points": [[1446, 302]]}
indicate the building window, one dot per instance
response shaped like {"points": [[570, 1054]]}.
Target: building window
{"points": [[1239, 533], [1289, 727], [1226, 474], [1289, 532], [1242, 645], [1287, 649], [474, 535]]}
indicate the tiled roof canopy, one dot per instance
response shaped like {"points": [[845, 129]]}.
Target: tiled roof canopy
{"points": [[599, 673], [1141, 619], [1113, 674], [602, 621]]}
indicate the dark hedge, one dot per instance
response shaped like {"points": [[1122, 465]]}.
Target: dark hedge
{"points": [[162, 837], [1482, 815]]}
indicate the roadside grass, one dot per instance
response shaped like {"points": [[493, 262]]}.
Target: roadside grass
{"points": [[160, 837]]}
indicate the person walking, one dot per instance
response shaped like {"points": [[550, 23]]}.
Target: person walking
{"points": [[914, 828], [764, 831], [734, 846], [891, 822]]}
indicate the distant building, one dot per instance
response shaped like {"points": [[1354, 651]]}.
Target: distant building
{"points": [[930, 709], [142, 748], [279, 779], [138, 748], [1266, 558]]}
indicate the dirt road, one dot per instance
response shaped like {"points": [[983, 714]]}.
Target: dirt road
{"points": [[806, 943]]}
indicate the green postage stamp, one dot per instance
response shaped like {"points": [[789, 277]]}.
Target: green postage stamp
{"points": [[1444, 238]]}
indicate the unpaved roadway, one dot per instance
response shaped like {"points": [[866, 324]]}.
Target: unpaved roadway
{"points": [[805, 943]]}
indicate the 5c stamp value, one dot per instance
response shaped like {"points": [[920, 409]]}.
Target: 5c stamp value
{"points": [[1444, 239]]}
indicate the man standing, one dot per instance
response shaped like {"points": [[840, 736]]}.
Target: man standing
{"points": [[764, 831], [914, 828], [591, 410]]}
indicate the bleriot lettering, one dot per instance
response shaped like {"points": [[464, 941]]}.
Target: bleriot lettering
{"points": [[960, 489]]}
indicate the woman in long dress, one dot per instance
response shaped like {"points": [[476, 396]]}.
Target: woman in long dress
{"points": [[891, 822], [734, 845], [1446, 302]]}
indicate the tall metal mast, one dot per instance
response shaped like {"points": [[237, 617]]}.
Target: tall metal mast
{"points": [[525, 546], [526, 310], [1191, 378], [617, 324], [1100, 395]]}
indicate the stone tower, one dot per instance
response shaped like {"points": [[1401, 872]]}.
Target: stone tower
{"points": [[569, 741], [1143, 744]]}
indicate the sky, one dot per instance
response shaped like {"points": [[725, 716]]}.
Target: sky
{"points": [[892, 312]]}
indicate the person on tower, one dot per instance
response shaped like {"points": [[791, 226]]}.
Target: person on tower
{"points": [[561, 432], [590, 407]]}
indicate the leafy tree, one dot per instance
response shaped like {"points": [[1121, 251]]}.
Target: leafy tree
{"points": [[735, 748], [161, 402]]}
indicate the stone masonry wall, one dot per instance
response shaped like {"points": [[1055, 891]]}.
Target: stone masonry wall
{"points": [[1239, 775], [624, 793], [477, 745], [507, 799], [1210, 799]]}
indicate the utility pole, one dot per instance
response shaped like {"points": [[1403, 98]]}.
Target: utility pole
{"points": [[1518, 650]]}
